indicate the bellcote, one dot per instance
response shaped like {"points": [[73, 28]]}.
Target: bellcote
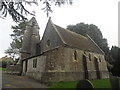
{"points": [[33, 22]]}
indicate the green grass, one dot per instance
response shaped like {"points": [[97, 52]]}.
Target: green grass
{"points": [[3, 69], [102, 83]]}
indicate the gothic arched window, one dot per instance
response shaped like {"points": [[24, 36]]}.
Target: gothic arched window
{"points": [[89, 57], [75, 55], [48, 42], [99, 59]]}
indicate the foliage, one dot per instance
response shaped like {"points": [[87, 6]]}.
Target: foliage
{"points": [[109, 65], [115, 53], [5, 63], [93, 31], [102, 83], [15, 46], [17, 8]]}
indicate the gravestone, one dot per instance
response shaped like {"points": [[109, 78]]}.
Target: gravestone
{"points": [[114, 83], [84, 84]]}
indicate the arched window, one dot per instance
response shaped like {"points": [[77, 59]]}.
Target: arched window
{"points": [[99, 59], [34, 63], [75, 55], [84, 52], [89, 57], [48, 42]]}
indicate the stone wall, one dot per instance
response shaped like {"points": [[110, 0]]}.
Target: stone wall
{"points": [[14, 69], [31, 38], [50, 39], [62, 66], [35, 72]]}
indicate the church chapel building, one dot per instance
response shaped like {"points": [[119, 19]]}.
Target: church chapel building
{"points": [[61, 55]]}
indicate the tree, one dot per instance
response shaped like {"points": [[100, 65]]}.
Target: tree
{"points": [[17, 8], [115, 53], [4, 61], [93, 31], [15, 46]]}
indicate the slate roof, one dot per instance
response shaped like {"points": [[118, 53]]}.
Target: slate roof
{"points": [[75, 40]]}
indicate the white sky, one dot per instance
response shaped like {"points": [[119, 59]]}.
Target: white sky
{"points": [[103, 13]]}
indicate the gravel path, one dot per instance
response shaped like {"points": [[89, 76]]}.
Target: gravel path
{"points": [[15, 81]]}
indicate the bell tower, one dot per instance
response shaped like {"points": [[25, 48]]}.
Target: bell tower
{"points": [[30, 39]]}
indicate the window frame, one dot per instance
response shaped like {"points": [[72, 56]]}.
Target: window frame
{"points": [[100, 59], [48, 43], [89, 57], [75, 55], [34, 63]]}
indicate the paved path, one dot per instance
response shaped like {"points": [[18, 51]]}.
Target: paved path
{"points": [[15, 81]]}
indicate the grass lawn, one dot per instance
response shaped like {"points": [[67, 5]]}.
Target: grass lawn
{"points": [[3, 69], [102, 83]]}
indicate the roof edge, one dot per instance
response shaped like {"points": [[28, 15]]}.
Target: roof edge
{"points": [[57, 32], [33, 18], [95, 44], [45, 28]]}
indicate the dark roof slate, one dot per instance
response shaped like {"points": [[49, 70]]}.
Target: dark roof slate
{"points": [[78, 41]]}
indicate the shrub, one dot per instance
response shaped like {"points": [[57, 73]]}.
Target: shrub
{"points": [[4, 64]]}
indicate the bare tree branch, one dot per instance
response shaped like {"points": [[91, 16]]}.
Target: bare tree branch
{"points": [[17, 8]]}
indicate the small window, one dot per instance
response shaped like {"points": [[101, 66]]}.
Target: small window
{"points": [[33, 23], [75, 55], [48, 42], [34, 63], [84, 52], [99, 59], [89, 57]]}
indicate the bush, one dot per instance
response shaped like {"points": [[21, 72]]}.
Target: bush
{"points": [[4, 64]]}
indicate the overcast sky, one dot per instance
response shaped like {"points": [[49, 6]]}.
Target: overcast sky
{"points": [[102, 13]]}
